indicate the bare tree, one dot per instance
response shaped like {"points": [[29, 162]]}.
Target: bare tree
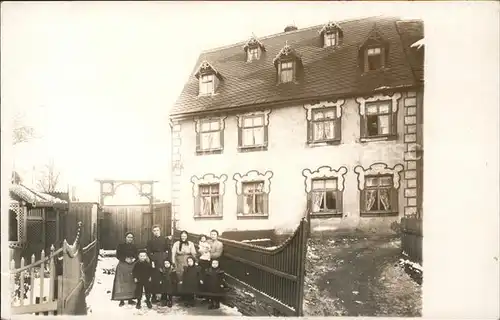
{"points": [[49, 178], [21, 132]]}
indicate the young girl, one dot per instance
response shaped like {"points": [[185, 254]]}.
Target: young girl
{"points": [[142, 277], [169, 281], [215, 284], [191, 280], [204, 252]]}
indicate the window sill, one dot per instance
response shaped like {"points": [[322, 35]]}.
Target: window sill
{"points": [[323, 143], [252, 148], [208, 152], [214, 217], [388, 137], [378, 214], [331, 214], [241, 216]]}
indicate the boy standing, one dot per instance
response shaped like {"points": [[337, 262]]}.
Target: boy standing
{"points": [[159, 249], [142, 277]]}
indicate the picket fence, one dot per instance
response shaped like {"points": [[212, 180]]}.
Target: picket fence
{"points": [[56, 284]]}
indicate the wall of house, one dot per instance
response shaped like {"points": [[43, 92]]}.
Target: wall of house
{"points": [[288, 154]]}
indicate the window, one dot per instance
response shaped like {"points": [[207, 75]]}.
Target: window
{"points": [[253, 199], [13, 226], [209, 200], [253, 132], [253, 54], [379, 196], [210, 137], [374, 59], [325, 197], [330, 39], [207, 84], [325, 125], [379, 120], [286, 72]]}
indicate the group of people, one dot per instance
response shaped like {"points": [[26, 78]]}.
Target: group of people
{"points": [[161, 271]]}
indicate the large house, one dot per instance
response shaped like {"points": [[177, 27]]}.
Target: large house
{"points": [[323, 122]]}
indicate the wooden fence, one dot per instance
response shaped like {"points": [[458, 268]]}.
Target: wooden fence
{"points": [[138, 219], [275, 274], [56, 284], [411, 238]]}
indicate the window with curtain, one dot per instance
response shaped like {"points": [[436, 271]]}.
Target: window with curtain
{"points": [[379, 196], [379, 120], [253, 131], [253, 54], [210, 135], [207, 84], [254, 199], [325, 197], [325, 125], [209, 200], [330, 39], [286, 72]]}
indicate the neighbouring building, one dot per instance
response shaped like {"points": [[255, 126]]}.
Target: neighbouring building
{"points": [[322, 122]]}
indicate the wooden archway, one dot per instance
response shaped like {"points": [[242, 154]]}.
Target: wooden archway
{"points": [[145, 187]]}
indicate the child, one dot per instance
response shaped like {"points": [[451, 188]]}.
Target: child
{"points": [[169, 282], [204, 251], [142, 277], [191, 279], [215, 284]]}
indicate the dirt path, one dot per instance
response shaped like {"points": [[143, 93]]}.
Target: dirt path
{"points": [[361, 277]]}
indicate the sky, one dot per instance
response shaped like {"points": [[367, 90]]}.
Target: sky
{"points": [[97, 79]]}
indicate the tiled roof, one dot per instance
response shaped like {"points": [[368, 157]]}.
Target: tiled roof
{"points": [[31, 196], [326, 71]]}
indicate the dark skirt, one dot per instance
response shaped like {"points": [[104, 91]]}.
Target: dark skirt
{"points": [[123, 284]]}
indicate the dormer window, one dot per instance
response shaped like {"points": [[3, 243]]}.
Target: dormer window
{"points": [[208, 77], [253, 49], [287, 63], [286, 72], [332, 34], [207, 84], [373, 53], [374, 59]]}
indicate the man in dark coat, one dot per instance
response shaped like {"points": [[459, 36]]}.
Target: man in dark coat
{"points": [[159, 249]]}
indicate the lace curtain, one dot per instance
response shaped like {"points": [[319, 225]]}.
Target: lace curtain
{"points": [[324, 130], [253, 136], [210, 140], [317, 198], [383, 195], [370, 199]]}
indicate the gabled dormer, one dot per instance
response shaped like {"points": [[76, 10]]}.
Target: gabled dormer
{"points": [[374, 52], [208, 77], [288, 65], [253, 49], [331, 35]]}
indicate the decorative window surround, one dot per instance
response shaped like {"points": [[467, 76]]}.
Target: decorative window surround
{"points": [[253, 44], [362, 101], [378, 169], [374, 40], [324, 172], [378, 173], [287, 54], [319, 106], [208, 179], [331, 28], [198, 123], [240, 118], [205, 69], [252, 176], [19, 208]]}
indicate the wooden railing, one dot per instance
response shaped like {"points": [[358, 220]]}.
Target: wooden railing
{"points": [[55, 284], [276, 274]]}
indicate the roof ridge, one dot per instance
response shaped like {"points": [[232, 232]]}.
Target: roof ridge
{"points": [[282, 33]]}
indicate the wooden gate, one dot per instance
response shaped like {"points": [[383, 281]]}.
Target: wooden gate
{"points": [[277, 275], [138, 219]]}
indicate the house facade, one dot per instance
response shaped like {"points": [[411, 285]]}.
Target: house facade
{"points": [[322, 122]]}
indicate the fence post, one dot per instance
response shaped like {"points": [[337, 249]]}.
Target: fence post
{"points": [[303, 233]]}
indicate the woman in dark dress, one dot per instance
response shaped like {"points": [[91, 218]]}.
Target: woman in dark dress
{"points": [[123, 285]]}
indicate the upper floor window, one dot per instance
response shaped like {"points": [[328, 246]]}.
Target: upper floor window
{"points": [[379, 196], [253, 131], [253, 54], [374, 59], [332, 34], [286, 72], [379, 120], [325, 125], [330, 39], [325, 197], [207, 84], [209, 135]]}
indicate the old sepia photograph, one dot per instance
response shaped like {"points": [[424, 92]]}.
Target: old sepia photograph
{"points": [[213, 159]]}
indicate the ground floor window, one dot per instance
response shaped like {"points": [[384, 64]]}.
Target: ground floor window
{"points": [[379, 196], [254, 199], [325, 198], [209, 200]]}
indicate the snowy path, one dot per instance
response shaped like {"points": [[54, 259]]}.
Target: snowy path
{"points": [[99, 300]]}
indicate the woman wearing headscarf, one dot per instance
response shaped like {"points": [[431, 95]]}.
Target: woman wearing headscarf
{"points": [[182, 249], [123, 284]]}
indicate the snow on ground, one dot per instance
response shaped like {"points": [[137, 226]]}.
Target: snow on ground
{"points": [[99, 300]]}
